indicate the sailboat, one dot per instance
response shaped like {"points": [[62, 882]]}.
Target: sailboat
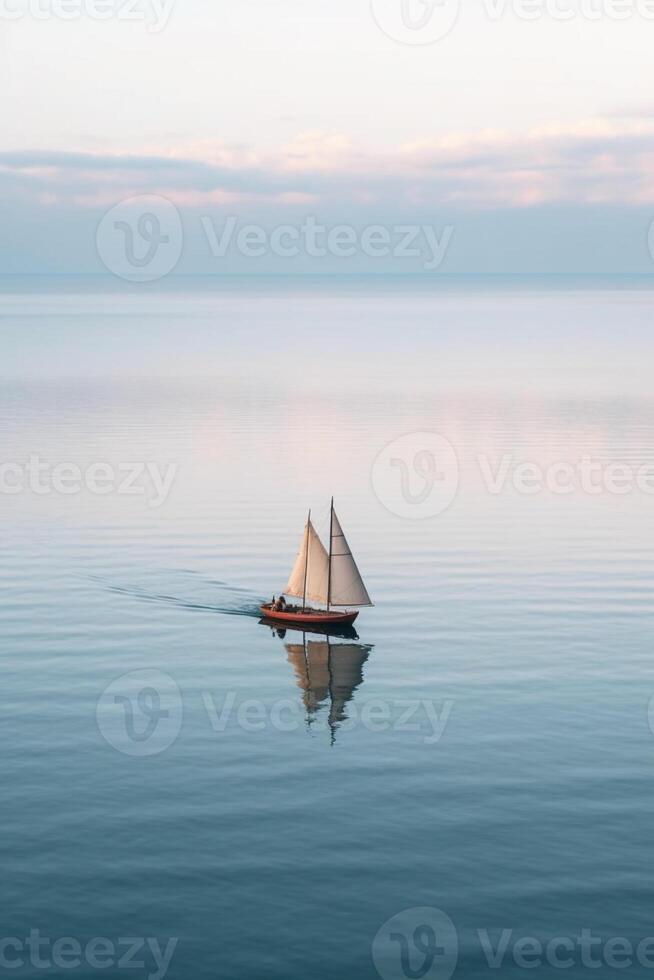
{"points": [[329, 577]]}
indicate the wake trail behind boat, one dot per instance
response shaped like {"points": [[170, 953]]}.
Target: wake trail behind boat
{"points": [[188, 590]]}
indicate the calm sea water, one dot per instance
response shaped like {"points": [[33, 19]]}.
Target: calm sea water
{"points": [[173, 769]]}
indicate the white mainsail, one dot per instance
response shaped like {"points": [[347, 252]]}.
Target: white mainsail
{"points": [[346, 584], [337, 582], [313, 562]]}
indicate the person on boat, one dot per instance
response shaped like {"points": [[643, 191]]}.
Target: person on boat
{"points": [[280, 605]]}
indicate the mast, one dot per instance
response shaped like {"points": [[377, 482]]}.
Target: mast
{"points": [[329, 567], [306, 565]]}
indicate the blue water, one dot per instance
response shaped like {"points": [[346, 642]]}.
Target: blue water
{"points": [[271, 802]]}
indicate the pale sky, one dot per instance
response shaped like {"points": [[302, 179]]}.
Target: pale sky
{"points": [[272, 104], [260, 71]]}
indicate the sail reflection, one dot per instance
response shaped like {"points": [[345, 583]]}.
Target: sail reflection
{"points": [[328, 672]]}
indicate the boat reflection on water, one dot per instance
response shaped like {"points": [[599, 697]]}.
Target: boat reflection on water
{"points": [[280, 630], [327, 671]]}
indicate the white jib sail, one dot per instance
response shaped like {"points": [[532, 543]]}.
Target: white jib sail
{"points": [[347, 588], [316, 567]]}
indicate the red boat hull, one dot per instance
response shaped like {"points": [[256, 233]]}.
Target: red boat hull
{"points": [[310, 617]]}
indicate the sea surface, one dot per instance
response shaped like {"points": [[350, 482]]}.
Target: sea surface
{"points": [[467, 780]]}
